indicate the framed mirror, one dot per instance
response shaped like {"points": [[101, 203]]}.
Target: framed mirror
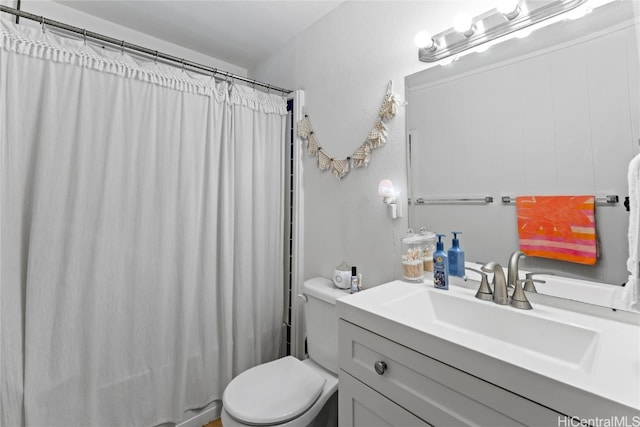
{"points": [[555, 113]]}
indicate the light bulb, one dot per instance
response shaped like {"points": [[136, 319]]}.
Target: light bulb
{"points": [[509, 8], [385, 188], [423, 40], [463, 24]]}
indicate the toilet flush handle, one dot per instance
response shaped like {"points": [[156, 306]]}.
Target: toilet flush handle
{"points": [[380, 367], [304, 297]]}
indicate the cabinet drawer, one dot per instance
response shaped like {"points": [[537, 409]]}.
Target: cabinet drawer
{"points": [[430, 389], [361, 406]]}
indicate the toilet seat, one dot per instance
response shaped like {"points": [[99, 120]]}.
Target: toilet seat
{"points": [[273, 393]]}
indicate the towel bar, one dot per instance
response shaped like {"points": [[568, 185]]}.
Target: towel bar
{"points": [[610, 199], [426, 201]]}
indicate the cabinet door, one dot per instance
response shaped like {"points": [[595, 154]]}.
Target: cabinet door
{"points": [[432, 390], [361, 406]]}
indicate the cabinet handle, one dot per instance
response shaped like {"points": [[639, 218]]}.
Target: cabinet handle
{"points": [[380, 367]]}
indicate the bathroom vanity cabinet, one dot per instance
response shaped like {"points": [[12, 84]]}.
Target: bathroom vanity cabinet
{"points": [[411, 355], [413, 389]]}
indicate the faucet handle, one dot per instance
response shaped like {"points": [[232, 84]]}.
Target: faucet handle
{"points": [[536, 273], [500, 294], [474, 270], [528, 281], [519, 298], [484, 291], [529, 286]]}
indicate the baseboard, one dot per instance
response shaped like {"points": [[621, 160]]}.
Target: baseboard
{"points": [[212, 412]]}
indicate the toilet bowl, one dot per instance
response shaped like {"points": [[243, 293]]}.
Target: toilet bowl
{"points": [[287, 391], [287, 397]]}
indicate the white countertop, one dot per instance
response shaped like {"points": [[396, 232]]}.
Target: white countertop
{"points": [[596, 371]]}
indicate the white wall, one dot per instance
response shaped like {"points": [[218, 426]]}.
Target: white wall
{"points": [[343, 62], [68, 15]]}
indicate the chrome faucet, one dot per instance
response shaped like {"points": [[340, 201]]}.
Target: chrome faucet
{"points": [[513, 275], [500, 290], [500, 295], [518, 298]]}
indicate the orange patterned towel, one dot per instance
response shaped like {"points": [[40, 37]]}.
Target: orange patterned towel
{"points": [[558, 227]]}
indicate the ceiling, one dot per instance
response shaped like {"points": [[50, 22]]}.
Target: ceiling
{"points": [[240, 32]]}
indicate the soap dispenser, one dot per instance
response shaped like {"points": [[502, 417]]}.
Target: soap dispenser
{"points": [[440, 265], [456, 257]]}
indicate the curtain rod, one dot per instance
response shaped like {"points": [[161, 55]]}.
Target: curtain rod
{"points": [[203, 69]]}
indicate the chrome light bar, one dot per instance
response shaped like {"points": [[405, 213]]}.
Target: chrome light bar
{"points": [[493, 24]]}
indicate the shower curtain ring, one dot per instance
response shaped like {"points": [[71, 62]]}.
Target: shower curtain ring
{"points": [[183, 65], [122, 48], [253, 86], [155, 60], [268, 88], [84, 36], [42, 22]]}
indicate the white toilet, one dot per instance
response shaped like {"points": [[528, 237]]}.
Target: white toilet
{"points": [[287, 391]]}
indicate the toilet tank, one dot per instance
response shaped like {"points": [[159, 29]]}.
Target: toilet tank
{"points": [[321, 321]]}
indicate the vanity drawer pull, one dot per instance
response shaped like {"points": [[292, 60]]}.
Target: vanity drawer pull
{"points": [[380, 367]]}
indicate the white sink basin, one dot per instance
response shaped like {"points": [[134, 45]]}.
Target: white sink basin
{"points": [[546, 337], [503, 325]]}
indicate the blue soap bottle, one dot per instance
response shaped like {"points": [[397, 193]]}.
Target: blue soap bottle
{"points": [[456, 257], [440, 266]]}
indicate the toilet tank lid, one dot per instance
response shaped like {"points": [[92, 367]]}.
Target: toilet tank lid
{"points": [[324, 289]]}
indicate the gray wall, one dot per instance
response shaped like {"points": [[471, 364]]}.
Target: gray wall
{"points": [[343, 62]]}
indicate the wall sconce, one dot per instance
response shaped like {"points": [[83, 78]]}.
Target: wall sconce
{"points": [[508, 17], [390, 197]]}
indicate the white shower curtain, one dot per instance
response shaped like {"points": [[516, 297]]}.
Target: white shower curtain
{"points": [[141, 240]]}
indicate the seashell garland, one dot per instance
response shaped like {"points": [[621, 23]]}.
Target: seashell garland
{"points": [[324, 161], [361, 157]]}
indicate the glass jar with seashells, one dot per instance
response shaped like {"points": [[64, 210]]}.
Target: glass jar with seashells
{"points": [[412, 261]]}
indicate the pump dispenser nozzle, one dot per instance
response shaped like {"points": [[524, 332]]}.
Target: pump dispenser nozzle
{"points": [[455, 242]]}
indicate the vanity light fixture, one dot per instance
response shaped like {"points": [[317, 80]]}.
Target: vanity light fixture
{"points": [[508, 17], [390, 197]]}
